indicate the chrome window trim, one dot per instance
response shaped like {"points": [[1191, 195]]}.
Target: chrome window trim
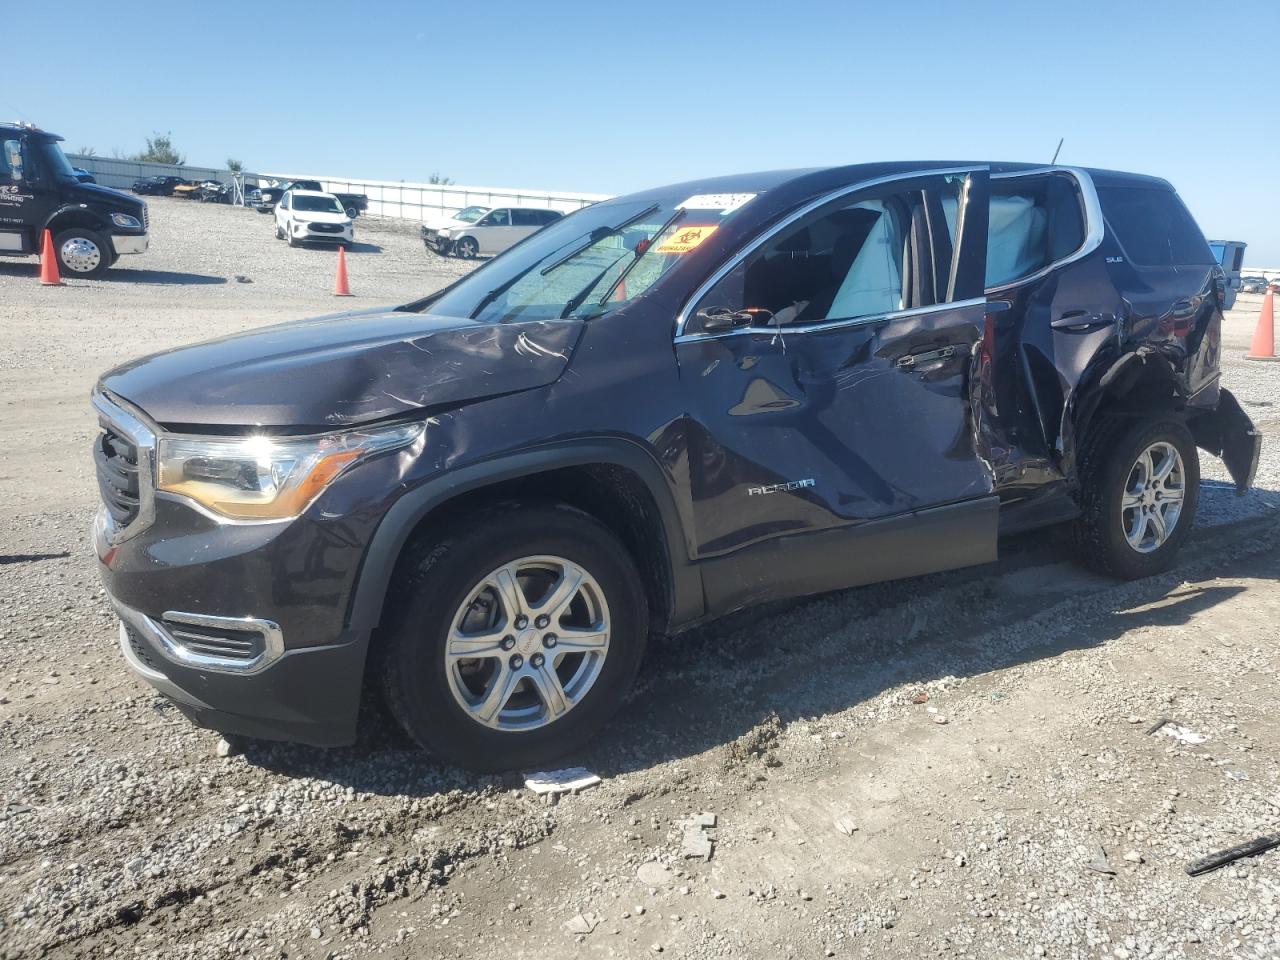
{"points": [[171, 649], [683, 316], [144, 438], [1094, 227], [833, 324], [1094, 231]]}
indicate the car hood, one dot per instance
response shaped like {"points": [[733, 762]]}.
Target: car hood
{"points": [[341, 370], [447, 223], [100, 196]]}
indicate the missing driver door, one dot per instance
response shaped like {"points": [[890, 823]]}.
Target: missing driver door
{"points": [[847, 398]]}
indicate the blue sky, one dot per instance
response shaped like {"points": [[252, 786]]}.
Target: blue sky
{"points": [[609, 98]]}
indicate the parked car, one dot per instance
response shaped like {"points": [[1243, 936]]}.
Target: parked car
{"points": [[83, 175], [158, 186], [308, 216], [266, 198], [1253, 284], [659, 409], [487, 231], [90, 225]]}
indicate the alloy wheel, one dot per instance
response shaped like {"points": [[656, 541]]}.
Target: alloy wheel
{"points": [[528, 643], [1152, 503]]}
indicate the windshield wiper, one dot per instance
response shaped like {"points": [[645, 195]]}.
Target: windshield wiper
{"points": [[582, 294], [597, 235], [679, 212]]}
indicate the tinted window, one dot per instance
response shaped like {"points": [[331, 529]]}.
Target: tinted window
{"points": [[526, 218], [1154, 227], [497, 218], [10, 156], [548, 216]]}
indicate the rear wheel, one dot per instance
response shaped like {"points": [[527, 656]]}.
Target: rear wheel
{"points": [[514, 637], [353, 211], [1140, 482], [82, 252]]}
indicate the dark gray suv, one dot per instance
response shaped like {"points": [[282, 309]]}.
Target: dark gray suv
{"points": [[656, 410]]}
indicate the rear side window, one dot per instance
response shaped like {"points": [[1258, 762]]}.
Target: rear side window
{"points": [[1154, 227], [528, 218], [1034, 222], [548, 216]]}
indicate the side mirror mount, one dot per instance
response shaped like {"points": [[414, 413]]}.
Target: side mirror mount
{"points": [[716, 319]]}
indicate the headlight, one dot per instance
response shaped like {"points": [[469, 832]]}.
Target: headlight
{"points": [[124, 220], [267, 478], [443, 232]]}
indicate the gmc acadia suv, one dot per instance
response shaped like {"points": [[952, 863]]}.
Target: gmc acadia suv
{"points": [[659, 409]]}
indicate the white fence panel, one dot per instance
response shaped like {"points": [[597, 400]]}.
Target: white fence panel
{"points": [[422, 201], [387, 198]]}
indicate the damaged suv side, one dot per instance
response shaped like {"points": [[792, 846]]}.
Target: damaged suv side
{"points": [[657, 410]]}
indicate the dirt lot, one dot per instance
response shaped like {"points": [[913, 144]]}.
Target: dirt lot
{"points": [[925, 768]]}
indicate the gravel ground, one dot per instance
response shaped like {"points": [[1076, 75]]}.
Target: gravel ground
{"points": [[955, 766]]}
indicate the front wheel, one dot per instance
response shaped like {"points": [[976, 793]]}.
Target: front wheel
{"points": [[466, 248], [82, 252], [1140, 482], [515, 636], [279, 232]]}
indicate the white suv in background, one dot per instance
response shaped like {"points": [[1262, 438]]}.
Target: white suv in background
{"points": [[484, 230], [307, 216]]}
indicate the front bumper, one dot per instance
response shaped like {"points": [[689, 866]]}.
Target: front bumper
{"points": [[311, 695], [130, 243], [309, 235]]}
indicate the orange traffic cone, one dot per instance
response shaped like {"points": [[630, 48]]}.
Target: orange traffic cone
{"points": [[340, 287], [1264, 337], [49, 263]]}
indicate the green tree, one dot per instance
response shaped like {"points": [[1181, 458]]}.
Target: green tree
{"points": [[438, 180], [234, 165], [160, 149]]}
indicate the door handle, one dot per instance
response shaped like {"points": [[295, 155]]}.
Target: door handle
{"points": [[1082, 321]]}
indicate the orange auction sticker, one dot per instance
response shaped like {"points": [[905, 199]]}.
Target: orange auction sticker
{"points": [[685, 239]]}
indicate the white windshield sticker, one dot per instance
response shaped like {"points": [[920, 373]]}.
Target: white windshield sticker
{"points": [[724, 202]]}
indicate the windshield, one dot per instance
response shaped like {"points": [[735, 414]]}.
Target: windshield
{"points": [[588, 262], [57, 160], [316, 204], [471, 214]]}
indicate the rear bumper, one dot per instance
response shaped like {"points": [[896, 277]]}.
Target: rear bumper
{"points": [[309, 695], [1227, 432]]}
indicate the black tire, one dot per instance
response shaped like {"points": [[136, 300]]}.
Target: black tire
{"points": [[105, 252], [279, 232], [436, 577], [466, 248], [353, 211], [293, 240], [1107, 461]]}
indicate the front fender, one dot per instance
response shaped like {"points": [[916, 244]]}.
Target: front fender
{"points": [[404, 516]]}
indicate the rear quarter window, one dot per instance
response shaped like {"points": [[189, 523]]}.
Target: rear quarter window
{"points": [[1154, 227]]}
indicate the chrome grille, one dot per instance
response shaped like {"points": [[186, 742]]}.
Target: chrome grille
{"points": [[221, 641]]}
